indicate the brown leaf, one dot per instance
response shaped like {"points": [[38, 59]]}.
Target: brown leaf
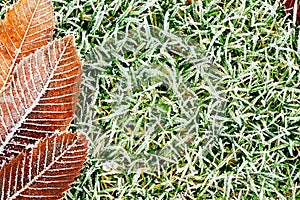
{"points": [[289, 8], [45, 171], [27, 26], [41, 97]]}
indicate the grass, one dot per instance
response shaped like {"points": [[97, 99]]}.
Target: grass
{"points": [[255, 47]]}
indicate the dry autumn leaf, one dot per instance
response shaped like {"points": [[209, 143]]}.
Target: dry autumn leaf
{"points": [[45, 171], [292, 6], [39, 88], [27, 26], [41, 97]]}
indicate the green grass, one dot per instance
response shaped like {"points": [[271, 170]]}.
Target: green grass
{"points": [[256, 154]]}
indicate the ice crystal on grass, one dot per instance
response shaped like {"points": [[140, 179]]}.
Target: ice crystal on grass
{"points": [[255, 44], [152, 105]]}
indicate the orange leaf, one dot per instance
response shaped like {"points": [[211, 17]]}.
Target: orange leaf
{"points": [[41, 97], [45, 171], [289, 8], [27, 26]]}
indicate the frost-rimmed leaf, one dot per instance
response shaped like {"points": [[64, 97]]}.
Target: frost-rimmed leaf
{"points": [[292, 6], [41, 98], [45, 171], [28, 25]]}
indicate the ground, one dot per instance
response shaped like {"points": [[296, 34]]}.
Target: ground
{"points": [[255, 153]]}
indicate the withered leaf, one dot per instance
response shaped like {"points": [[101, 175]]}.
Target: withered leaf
{"points": [[45, 171], [39, 88], [292, 6], [41, 97], [27, 26]]}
